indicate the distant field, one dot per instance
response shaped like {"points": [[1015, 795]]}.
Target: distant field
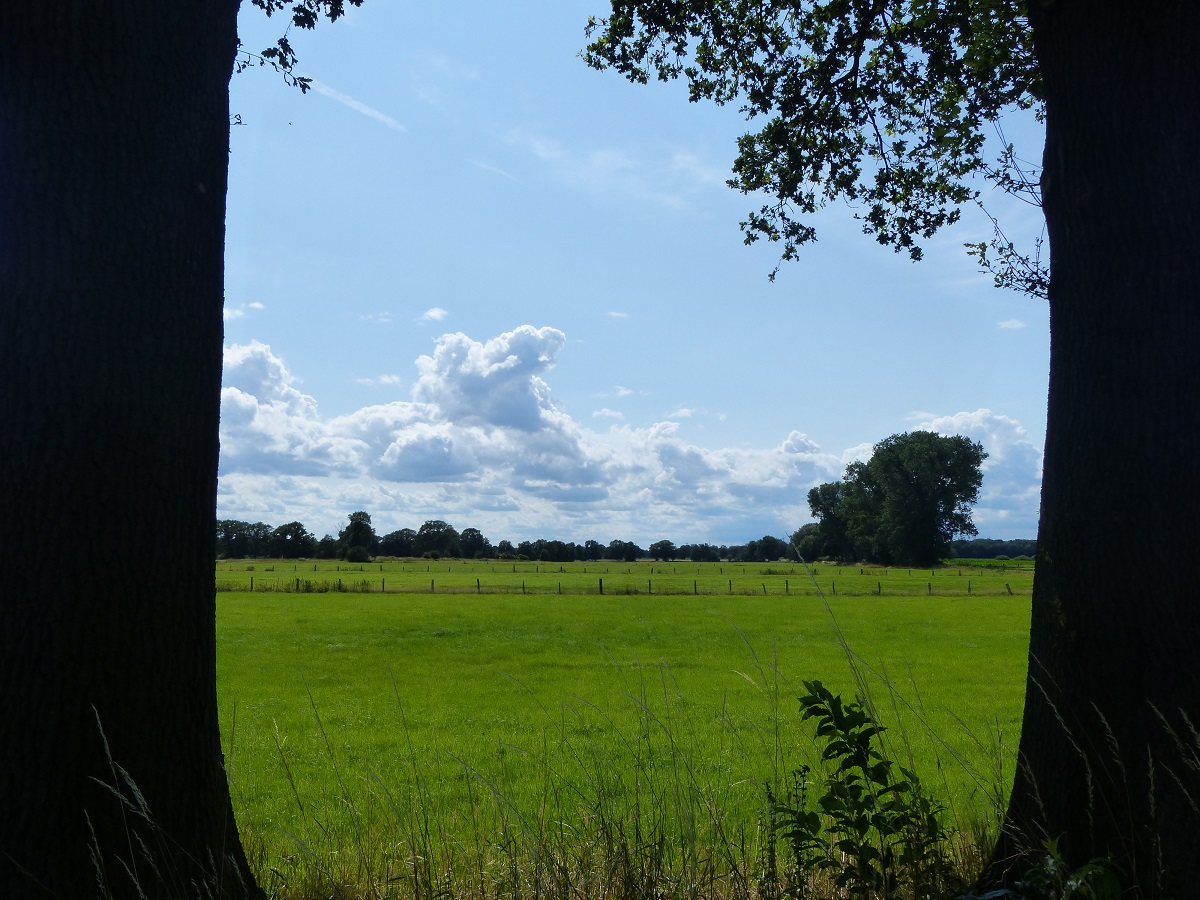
{"points": [[511, 707], [976, 577]]}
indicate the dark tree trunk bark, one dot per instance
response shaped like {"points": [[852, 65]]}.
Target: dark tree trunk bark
{"points": [[114, 131], [1115, 637]]}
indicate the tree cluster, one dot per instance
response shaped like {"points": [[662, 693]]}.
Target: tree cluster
{"points": [[986, 548], [436, 539], [903, 506]]}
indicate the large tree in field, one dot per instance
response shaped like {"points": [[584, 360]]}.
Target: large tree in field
{"points": [[114, 141], [887, 103], [905, 504]]}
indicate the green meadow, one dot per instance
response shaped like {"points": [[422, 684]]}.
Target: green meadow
{"points": [[444, 726]]}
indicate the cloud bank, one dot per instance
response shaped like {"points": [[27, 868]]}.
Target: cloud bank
{"points": [[481, 443]]}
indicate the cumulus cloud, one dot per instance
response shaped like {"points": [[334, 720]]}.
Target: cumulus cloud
{"points": [[433, 314], [481, 442], [269, 425], [1011, 323], [498, 382], [1012, 474]]}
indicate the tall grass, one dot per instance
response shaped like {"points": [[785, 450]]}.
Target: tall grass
{"points": [[519, 747]]}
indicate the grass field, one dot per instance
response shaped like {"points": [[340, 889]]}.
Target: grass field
{"points": [[424, 736]]}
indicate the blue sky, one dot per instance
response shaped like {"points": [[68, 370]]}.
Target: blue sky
{"points": [[469, 278]]}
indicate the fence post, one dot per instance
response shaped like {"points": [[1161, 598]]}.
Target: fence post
{"points": [[431, 586], [477, 586], [1009, 589], [929, 585], [602, 585]]}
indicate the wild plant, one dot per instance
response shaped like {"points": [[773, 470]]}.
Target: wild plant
{"points": [[873, 830]]}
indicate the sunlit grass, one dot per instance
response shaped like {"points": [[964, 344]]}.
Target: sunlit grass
{"points": [[487, 715]]}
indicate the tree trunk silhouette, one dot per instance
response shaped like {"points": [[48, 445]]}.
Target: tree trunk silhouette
{"points": [[1115, 636], [114, 136]]}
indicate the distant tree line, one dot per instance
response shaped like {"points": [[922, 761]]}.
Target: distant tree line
{"points": [[436, 539], [986, 548]]}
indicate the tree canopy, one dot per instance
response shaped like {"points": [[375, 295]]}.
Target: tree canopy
{"points": [[904, 506], [886, 104], [356, 542], [436, 537]]}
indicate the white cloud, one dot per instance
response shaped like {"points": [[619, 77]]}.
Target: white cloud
{"points": [[1011, 324], [433, 72], [239, 312], [614, 314], [357, 105], [383, 318], [682, 413], [482, 443], [660, 176], [380, 380], [495, 170], [1012, 473], [268, 425], [497, 382], [433, 314]]}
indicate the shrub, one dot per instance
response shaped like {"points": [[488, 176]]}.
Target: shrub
{"points": [[357, 555], [874, 832]]}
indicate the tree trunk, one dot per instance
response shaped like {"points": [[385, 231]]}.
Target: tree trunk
{"points": [[114, 132], [1115, 637]]}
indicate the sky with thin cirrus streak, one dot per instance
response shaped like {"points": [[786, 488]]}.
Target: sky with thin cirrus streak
{"points": [[469, 278]]}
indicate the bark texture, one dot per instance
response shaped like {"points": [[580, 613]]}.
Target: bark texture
{"points": [[114, 131], [1115, 636]]}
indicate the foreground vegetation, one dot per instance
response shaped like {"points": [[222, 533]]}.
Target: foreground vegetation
{"points": [[481, 743]]}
